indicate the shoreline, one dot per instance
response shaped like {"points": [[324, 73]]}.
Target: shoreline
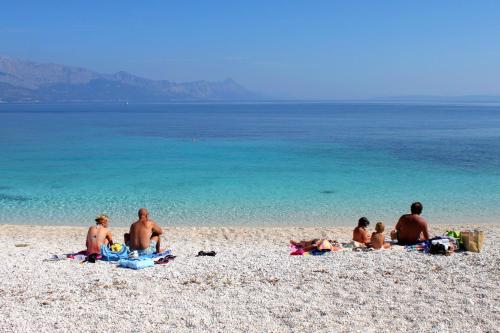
{"points": [[266, 232], [251, 285], [268, 224]]}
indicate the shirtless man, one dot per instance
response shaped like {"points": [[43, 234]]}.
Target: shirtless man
{"points": [[144, 235], [411, 228], [98, 235]]}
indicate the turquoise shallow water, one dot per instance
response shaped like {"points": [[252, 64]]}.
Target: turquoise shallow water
{"points": [[248, 164]]}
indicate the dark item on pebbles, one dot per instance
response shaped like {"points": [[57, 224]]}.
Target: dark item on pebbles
{"points": [[209, 254], [165, 260], [91, 258]]}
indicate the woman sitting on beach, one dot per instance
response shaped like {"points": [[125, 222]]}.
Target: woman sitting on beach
{"points": [[360, 234], [98, 235], [307, 245], [378, 239]]}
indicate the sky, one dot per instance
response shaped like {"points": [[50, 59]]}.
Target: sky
{"points": [[284, 49]]}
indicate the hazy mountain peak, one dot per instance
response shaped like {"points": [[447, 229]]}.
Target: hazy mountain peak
{"points": [[124, 75], [22, 80]]}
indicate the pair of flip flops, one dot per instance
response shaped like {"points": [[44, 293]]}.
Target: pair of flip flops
{"points": [[164, 260], [206, 254]]}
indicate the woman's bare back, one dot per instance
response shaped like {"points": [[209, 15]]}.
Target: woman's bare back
{"points": [[96, 236]]}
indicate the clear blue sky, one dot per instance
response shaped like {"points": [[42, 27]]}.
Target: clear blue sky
{"points": [[301, 49]]}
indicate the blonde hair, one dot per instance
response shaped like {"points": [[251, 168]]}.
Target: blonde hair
{"points": [[100, 218], [379, 227]]}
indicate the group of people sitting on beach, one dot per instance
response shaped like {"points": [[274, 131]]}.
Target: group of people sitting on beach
{"points": [[361, 235], [144, 234], [410, 229], [143, 237]]}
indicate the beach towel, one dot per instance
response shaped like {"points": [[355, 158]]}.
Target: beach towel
{"points": [[144, 255], [448, 244], [353, 245], [108, 254], [147, 260], [316, 252], [324, 245], [77, 255], [81, 256], [136, 263], [420, 247], [161, 254]]}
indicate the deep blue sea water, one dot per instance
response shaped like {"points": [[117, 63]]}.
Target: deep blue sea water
{"points": [[249, 164]]}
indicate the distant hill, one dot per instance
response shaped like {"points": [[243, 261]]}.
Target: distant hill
{"points": [[27, 81], [439, 99]]}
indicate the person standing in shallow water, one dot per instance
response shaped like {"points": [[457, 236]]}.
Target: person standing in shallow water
{"points": [[98, 235], [411, 228], [144, 235], [360, 233]]}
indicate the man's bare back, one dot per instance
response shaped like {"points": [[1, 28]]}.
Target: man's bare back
{"points": [[144, 233], [412, 228]]}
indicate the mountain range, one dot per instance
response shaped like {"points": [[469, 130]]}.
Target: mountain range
{"points": [[27, 81]]}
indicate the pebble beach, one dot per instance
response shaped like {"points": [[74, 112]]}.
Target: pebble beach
{"points": [[251, 285]]}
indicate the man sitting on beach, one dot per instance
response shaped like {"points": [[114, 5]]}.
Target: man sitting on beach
{"points": [[144, 235], [98, 235], [411, 228]]}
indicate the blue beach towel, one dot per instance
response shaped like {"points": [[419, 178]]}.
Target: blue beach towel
{"points": [[143, 261], [136, 263], [109, 255], [162, 254]]}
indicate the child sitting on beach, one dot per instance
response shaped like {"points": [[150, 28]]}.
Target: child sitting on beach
{"points": [[98, 235], [360, 234], [377, 239]]}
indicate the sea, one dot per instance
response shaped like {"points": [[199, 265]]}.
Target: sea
{"points": [[249, 164]]}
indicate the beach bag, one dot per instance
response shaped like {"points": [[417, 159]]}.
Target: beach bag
{"points": [[453, 233], [472, 240], [110, 255]]}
